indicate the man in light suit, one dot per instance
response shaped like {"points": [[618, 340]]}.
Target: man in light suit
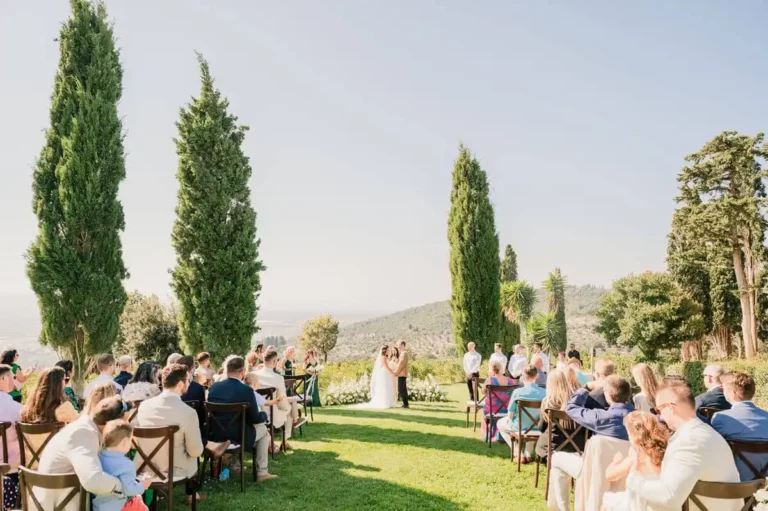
{"points": [[76, 449], [287, 409], [744, 422], [695, 453], [401, 371]]}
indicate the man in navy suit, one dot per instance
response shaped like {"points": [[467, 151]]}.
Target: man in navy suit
{"points": [[195, 392], [744, 422], [233, 390], [713, 397]]}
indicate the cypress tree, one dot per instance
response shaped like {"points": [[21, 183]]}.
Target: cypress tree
{"points": [[509, 332], [75, 265], [509, 265], [216, 278], [474, 258]]}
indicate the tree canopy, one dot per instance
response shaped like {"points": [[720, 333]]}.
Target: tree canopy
{"points": [[148, 329], [320, 334]]}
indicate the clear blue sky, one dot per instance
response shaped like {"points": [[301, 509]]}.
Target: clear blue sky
{"points": [[581, 113]]}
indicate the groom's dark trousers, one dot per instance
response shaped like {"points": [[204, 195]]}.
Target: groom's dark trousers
{"points": [[402, 389]]}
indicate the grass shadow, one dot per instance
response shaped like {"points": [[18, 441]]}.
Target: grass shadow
{"points": [[402, 416]]}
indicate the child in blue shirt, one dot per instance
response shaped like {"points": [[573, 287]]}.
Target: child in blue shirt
{"points": [[117, 443], [252, 380]]}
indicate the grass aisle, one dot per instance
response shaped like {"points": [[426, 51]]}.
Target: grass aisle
{"points": [[422, 458]]}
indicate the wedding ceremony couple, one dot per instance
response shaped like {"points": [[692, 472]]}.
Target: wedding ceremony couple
{"points": [[389, 378]]}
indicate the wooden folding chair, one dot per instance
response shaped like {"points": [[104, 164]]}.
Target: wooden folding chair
{"points": [[732, 491], [291, 385], [220, 416], [477, 403], [29, 480], [740, 449], [530, 432], [494, 392], [4, 427], [155, 438], [555, 423], [134, 411], [269, 394], [192, 404], [709, 411], [30, 436]]}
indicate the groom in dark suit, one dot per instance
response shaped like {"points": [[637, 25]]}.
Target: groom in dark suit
{"points": [[401, 371]]}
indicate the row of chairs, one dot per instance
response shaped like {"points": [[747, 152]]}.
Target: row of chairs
{"points": [[556, 419]]}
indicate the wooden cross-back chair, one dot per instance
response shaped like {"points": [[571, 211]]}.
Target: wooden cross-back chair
{"points": [[269, 394], [291, 385], [134, 411], [493, 393], [741, 449], [4, 469], [556, 420], [219, 417], [30, 479], [709, 411], [530, 433], [4, 427], [478, 402], [731, 491], [192, 404], [29, 446], [156, 438], [303, 380]]}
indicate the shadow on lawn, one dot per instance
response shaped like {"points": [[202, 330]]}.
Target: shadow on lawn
{"points": [[320, 480], [400, 416]]}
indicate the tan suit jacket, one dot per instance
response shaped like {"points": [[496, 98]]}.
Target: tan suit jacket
{"points": [[165, 410], [401, 370]]}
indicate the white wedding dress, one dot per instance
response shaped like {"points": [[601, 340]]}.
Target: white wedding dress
{"points": [[382, 388]]}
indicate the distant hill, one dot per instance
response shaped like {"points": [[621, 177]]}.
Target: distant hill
{"points": [[427, 328]]}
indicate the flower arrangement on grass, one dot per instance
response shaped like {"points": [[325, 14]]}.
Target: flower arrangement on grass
{"points": [[349, 392], [762, 500]]}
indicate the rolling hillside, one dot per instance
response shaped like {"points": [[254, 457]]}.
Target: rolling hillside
{"points": [[427, 328]]}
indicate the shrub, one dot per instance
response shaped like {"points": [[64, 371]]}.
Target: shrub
{"points": [[358, 390], [444, 371]]}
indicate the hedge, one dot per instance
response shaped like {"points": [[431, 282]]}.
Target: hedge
{"points": [[444, 371], [757, 368]]}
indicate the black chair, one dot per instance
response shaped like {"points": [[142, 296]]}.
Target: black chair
{"points": [[709, 411], [730, 491], [309, 385], [291, 385], [31, 453], [219, 416], [269, 394], [4, 427], [303, 381], [29, 480], [555, 423]]}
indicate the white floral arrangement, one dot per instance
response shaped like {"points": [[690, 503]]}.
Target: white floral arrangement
{"points": [[315, 370], [349, 392], [762, 500]]}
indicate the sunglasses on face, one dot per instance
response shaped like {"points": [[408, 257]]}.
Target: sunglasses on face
{"points": [[659, 408]]}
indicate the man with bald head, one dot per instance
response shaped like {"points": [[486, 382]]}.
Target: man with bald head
{"points": [[695, 452], [714, 396]]}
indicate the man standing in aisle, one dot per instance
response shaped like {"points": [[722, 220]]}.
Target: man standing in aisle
{"points": [[402, 372], [472, 361]]}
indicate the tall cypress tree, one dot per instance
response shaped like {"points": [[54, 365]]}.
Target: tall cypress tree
{"points": [[509, 265], [474, 259], [216, 278], [75, 265]]}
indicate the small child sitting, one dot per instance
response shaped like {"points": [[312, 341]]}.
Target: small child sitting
{"points": [[117, 443], [252, 380]]}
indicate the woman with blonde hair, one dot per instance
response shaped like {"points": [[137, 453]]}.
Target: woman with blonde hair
{"points": [[559, 391], [573, 378], [646, 380], [101, 392]]}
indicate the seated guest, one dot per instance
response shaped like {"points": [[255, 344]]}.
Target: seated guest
{"points": [[713, 397], [100, 393], [76, 448], [561, 363], [575, 364], [233, 390], [517, 362], [744, 422], [603, 369], [115, 462], [69, 372], [125, 363], [47, 402], [259, 353], [695, 453], [646, 380], [10, 411], [105, 364], [500, 400], [196, 392], [252, 380], [252, 362], [559, 392], [173, 358], [204, 363], [471, 363], [167, 409], [530, 391], [541, 376], [145, 384], [287, 410], [609, 423], [574, 353]]}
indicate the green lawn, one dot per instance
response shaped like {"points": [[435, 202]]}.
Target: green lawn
{"points": [[421, 458]]}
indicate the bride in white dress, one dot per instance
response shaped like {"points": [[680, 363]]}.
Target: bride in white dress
{"points": [[382, 383]]}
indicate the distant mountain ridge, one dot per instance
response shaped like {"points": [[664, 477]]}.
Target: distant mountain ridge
{"points": [[428, 332]]}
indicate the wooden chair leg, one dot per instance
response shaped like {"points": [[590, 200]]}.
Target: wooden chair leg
{"points": [[253, 459], [242, 470], [169, 497], [519, 453], [272, 441], [467, 416], [549, 464]]}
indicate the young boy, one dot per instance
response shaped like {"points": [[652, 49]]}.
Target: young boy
{"points": [[117, 443], [204, 363], [105, 363], [252, 380]]}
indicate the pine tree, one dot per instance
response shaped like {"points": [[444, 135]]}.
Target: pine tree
{"points": [[509, 265], [216, 278], [75, 265], [555, 286], [474, 258]]}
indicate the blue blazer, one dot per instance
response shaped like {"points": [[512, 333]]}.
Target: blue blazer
{"points": [[235, 391], [608, 422], [713, 398], [744, 422]]}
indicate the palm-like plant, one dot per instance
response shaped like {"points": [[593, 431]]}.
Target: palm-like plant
{"points": [[518, 300], [555, 288], [545, 328]]}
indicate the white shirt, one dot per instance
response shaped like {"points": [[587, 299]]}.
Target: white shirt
{"points": [[544, 361], [501, 358], [472, 361], [516, 365], [696, 452], [102, 378]]}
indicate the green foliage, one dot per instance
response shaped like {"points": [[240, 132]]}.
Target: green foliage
{"points": [[649, 312], [545, 327], [75, 265], [444, 371], [518, 300], [474, 257], [216, 278], [555, 287], [509, 334], [148, 329], [320, 334], [509, 265]]}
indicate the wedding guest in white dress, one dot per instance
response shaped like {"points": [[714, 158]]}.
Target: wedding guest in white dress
{"points": [[646, 380]]}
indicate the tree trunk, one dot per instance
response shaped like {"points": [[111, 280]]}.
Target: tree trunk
{"points": [[80, 360], [721, 342], [747, 316], [685, 351], [750, 273]]}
